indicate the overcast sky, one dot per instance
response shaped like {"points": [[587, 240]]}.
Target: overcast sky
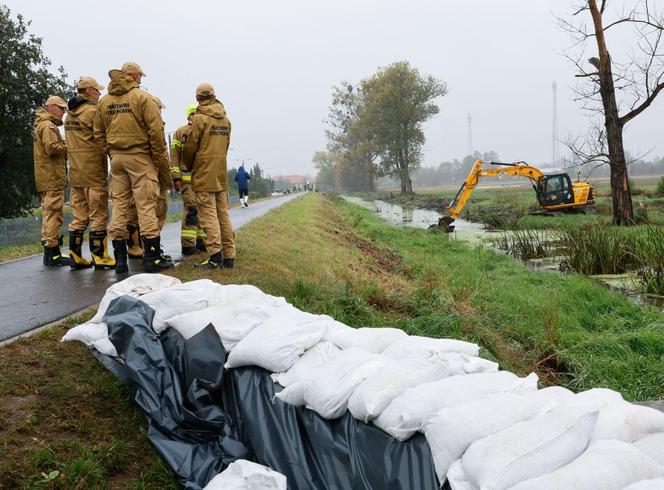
{"points": [[273, 64]]}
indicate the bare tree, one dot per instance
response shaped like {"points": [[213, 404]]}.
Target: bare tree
{"points": [[617, 90]]}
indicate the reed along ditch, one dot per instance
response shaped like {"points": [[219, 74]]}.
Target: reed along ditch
{"points": [[626, 260]]}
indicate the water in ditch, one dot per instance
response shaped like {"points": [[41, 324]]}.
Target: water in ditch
{"points": [[475, 233]]}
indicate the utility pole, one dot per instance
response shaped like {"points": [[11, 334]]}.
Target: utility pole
{"points": [[469, 148], [554, 129]]}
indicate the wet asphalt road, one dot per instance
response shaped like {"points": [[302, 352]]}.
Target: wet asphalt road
{"points": [[32, 295]]}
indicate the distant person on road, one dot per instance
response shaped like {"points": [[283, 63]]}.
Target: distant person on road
{"points": [[204, 154], [88, 172], [129, 125], [192, 236], [50, 154], [242, 178]]}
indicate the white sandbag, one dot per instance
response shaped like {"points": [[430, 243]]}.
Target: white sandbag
{"points": [[376, 392], [627, 422], [423, 347], [105, 346], [303, 367], [464, 364], [179, 299], [328, 390], [595, 398], [246, 475], [371, 339], [410, 410], [235, 294], [525, 450], [232, 322], [656, 484], [87, 333], [135, 286], [607, 465], [278, 341], [653, 446], [452, 430]]}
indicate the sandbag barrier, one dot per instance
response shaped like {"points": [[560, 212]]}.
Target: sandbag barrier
{"points": [[202, 359], [201, 418]]}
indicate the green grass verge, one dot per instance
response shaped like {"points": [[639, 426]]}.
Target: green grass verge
{"points": [[61, 411]]}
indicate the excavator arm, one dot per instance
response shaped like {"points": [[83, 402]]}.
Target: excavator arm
{"points": [[517, 169]]}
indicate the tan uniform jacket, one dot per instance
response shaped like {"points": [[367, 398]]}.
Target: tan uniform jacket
{"points": [[205, 151], [164, 166], [128, 120], [179, 138], [87, 162], [50, 153]]}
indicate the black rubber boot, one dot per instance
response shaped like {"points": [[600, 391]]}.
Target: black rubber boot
{"points": [[134, 249], [200, 245], [54, 258], [120, 251], [214, 262], [76, 260], [189, 250], [228, 263], [153, 261], [99, 250]]}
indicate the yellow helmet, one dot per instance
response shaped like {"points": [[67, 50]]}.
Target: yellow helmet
{"points": [[191, 108]]}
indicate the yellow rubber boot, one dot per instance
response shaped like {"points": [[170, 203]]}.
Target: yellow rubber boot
{"points": [[134, 243], [76, 261], [99, 250]]}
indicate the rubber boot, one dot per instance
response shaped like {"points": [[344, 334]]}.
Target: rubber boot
{"points": [[153, 261], [228, 263], [214, 262], [134, 248], [76, 260], [54, 258], [189, 250], [200, 245], [120, 251], [99, 250]]}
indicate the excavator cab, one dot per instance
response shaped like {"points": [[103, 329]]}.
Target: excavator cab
{"points": [[554, 190]]}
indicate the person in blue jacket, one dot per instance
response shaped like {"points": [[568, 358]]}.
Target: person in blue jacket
{"points": [[242, 178]]}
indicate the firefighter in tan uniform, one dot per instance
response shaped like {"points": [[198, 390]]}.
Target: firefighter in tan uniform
{"points": [[164, 174], [129, 125], [191, 234], [88, 173], [204, 153], [50, 154]]}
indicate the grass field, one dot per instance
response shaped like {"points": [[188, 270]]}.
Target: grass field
{"points": [[62, 412]]}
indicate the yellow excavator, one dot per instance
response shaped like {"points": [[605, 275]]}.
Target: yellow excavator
{"points": [[555, 192]]}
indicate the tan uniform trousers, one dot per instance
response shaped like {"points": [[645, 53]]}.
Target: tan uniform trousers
{"points": [[133, 175], [132, 214], [216, 223], [162, 208], [53, 203], [89, 206], [189, 233]]}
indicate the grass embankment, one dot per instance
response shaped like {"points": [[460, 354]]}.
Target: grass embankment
{"points": [[60, 410]]}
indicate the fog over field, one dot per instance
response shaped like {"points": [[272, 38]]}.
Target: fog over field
{"points": [[274, 64]]}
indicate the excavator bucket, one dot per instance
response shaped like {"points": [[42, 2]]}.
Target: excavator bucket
{"points": [[445, 224]]}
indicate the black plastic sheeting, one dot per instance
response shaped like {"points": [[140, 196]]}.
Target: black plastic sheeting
{"points": [[201, 418]]}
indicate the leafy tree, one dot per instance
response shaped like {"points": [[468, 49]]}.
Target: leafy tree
{"points": [[396, 102], [348, 141], [325, 163], [25, 83]]}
